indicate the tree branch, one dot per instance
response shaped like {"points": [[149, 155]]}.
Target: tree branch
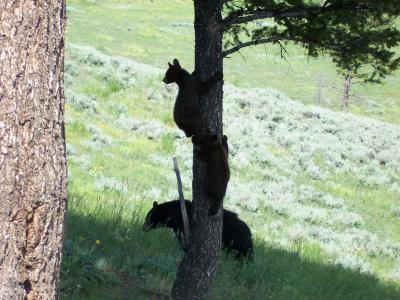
{"points": [[244, 16], [248, 44], [186, 227], [276, 39]]}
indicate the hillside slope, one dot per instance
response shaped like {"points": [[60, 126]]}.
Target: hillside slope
{"points": [[153, 32], [319, 189]]}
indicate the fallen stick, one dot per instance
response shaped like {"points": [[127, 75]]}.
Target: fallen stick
{"points": [[185, 218]]}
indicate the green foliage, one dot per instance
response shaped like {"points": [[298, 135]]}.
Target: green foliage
{"points": [[81, 265], [359, 35]]}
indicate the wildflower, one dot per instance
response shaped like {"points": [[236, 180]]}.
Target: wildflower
{"points": [[98, 242]]}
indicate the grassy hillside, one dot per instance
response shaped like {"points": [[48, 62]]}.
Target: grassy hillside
{"points": [[319, 189], [154, 32]]}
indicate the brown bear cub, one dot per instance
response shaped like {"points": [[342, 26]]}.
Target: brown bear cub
{"points": [[214, 152], [187, 115]]}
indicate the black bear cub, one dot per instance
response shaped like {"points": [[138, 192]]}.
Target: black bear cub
{"points": [[236, 235], [210, 149], [187, 115]]}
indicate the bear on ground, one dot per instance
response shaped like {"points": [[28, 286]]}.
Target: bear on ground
{"points": [[213, 152], [236, 235], [187, 115]]}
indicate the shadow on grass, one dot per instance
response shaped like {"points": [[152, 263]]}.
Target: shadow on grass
{"points": [[108, 256], [279, 274]]}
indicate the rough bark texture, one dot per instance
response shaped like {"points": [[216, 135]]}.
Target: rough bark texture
{"points": [[199, 265], [33, 175], [345, 99]]}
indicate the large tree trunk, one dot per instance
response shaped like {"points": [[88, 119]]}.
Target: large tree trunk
{"points": [[33, 174], [199, 265]]}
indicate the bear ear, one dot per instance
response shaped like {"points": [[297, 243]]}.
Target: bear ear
{"points": [[176, 63], [169, 64], [155, 203]]}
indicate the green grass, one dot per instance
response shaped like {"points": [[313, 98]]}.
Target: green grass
{"points": [[372, 202], [117, 171], [131, 264], [154, 33]]}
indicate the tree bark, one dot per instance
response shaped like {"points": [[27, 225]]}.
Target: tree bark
{"points": [[33, 172], [200, 262], [345, 99]]}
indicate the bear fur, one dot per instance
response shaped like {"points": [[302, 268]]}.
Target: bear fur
{"points": [[236, 235], [225, 144], [187, 115], [210, 149]]}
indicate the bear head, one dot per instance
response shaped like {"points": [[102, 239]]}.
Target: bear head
{"points": [[153, 218], [173, 72]]}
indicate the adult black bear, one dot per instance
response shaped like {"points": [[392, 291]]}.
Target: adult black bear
{"points": [[211, 150], [236, 235], [187, 115]]}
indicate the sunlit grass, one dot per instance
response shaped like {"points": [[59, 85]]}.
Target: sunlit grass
{"points": [[154, 33]]}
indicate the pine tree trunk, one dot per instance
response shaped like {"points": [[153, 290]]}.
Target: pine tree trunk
{"points": [[33, 174], [199, 265], [347, 84]]}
